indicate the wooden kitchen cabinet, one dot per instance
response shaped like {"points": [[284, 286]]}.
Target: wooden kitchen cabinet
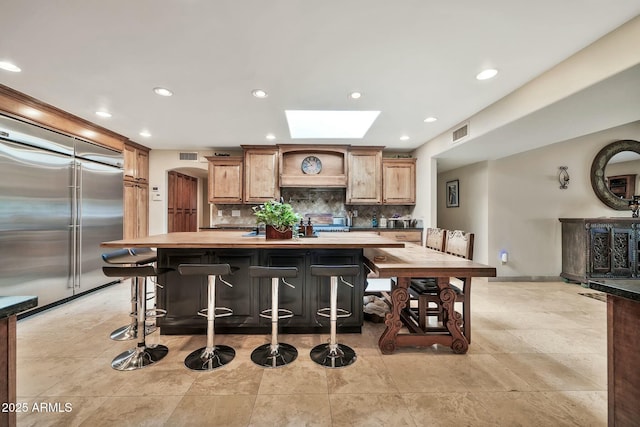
{"points": [[412, 236], [136, 162], [399, 181], [136, 190], [260, 174], [364, 185], [136, 210], [225, 180]]}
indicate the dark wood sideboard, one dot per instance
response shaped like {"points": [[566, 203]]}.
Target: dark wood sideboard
{"points": [[607, 248]]}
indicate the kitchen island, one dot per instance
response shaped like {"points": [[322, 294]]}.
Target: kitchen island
{"points": [[184, 296]]}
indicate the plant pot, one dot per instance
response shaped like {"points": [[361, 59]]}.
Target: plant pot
{"points": [[272, 234]]}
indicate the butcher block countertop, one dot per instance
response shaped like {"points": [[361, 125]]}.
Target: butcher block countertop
{"points": [[238, 239], [417, 261]]}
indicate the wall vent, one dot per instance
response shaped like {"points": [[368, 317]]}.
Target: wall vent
{"points": [[461, 132], [188, 156]]}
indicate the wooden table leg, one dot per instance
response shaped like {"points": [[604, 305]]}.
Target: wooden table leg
{"points": [[391, 338], [452, 318], [399, 299]]}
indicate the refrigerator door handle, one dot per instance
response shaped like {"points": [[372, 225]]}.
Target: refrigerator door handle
{"points": [[78, 224], [74, 226]]}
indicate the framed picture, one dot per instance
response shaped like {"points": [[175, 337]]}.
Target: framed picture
{"points": [[453, 194]]}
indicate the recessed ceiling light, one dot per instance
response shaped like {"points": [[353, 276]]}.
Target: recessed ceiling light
{"points": [[105, 114], [270, 137], [306, 124], [162, 91], [8, 66], [404, 138], [355, 95], [430, 119], [259, 93], [145, 133], [487, 74]]}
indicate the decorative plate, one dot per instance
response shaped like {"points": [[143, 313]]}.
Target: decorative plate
{"points": [[311, 165]]}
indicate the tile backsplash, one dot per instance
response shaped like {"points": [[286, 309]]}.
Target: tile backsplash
{"points": [[310, 201]]}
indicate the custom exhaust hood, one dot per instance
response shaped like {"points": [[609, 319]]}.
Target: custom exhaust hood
{"points": [[313, 166]]}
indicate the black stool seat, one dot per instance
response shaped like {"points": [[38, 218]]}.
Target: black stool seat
{"points": [[335, 270], [274, 354], [141, 356], [213, 355], [333, 354], [204, 269], [286, 272], [126, 256]]}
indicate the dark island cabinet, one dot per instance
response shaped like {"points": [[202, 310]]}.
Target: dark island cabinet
{"points": [[600, 248], [184, 296]]}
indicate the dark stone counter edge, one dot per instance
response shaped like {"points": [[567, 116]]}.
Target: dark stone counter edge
{"points": [[629, 289], [15, 304]]}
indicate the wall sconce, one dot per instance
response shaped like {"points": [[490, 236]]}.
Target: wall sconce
{"points": [[563, 177], [634, 205]]}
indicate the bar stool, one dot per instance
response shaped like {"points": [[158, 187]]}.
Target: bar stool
{"points": [[131, 257], [141, 356], [334, 355], [212, 356], [275, 354]]}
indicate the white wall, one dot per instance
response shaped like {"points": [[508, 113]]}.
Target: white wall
{"points": [[160, 163], [472, 214], [522, 203]]}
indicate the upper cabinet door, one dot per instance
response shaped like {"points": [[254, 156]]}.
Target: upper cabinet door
{"points": [[365, 176], [225, 180], [136, 163], [399, 181], [260, 174]]}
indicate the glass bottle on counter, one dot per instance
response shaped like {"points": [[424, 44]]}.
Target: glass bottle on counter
{"points": [[308, 230], [374, 221], [383, 221]]}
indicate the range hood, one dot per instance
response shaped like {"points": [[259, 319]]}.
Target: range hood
{"points": [[304, 166]]}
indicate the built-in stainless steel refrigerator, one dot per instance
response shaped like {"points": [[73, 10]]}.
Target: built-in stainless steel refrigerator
{"points": [[60, 197]]}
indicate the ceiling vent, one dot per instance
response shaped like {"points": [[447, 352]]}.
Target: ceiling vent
{"points": [[189, 156], [461, 132]]}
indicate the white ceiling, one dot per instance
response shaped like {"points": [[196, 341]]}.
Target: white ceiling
{"points": [[411, 59]]}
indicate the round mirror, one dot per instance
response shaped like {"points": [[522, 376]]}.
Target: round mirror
{"points": [[614, 173]]}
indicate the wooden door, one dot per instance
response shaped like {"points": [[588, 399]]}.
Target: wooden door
{"points": [[182, 202], [399, 181]]}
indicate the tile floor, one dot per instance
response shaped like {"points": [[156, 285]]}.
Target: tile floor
{"points": [[538, 358]]}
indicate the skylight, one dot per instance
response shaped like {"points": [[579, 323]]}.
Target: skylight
{"points": [[305, 124]]}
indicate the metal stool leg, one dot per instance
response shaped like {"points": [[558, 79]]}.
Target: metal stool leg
{"points": [[142, 355], [212, 356], [130, 331], [275, 354], [333, 355]]}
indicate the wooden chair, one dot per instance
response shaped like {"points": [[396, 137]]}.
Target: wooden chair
{"points": [[460, 244], [436, 238]]}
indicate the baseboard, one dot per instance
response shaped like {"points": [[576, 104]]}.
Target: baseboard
{"points": [[526, 279]]}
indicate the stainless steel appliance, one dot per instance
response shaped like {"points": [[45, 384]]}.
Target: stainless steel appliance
{"points": [[59, 198]]}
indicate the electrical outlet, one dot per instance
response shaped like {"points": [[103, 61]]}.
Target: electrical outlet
{"points": [[235, 212], [355, 213], [220, 213]]}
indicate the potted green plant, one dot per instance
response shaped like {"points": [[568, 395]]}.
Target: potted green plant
{"points": [[278, 218]]}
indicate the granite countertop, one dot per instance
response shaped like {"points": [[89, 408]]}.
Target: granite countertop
{"points": [[14, 305], [629, 288]]}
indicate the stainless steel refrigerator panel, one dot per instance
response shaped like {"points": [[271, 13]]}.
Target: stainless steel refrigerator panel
{"points": [[25, 133], [35, 232], [100, 212], [88, 151]]}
